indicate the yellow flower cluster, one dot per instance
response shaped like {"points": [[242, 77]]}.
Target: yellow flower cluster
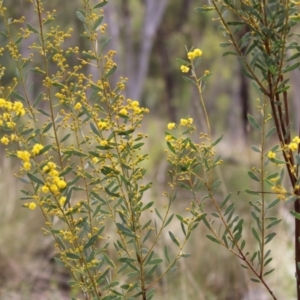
{"points": [[37, 148], [186, 122], [8, 111], [271, 154], [193, 54], [54, 182], [184, 69], [280, 192]]}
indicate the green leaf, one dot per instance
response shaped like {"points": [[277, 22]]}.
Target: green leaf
{"points": [[171, 148], [253, 122], [65, 137], [80, 16], [35, 179], [18, 96], [251, 192], [47, 128], [291, 68], [270, 132], [151, 271], [296, 55], [73, 255], [169, 220], [255, 234], [187, 79], [124, 230], [95, 129], [273, 223], [173, 238], [295, 214], [166, 254], [182, 62], [30, 28], [273, 203], [155, 261], [217, 141], [204, 9], [230, 53], [269, 272], [255, 279], [90, 242], [224, 45], [253, 176], [225, 200], [210, 237], [256, 149], [111, 71], [98, 22], [147, 206], [101, 4]]}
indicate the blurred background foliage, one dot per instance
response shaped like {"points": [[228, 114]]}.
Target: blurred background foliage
{"points": [[148, 36]]}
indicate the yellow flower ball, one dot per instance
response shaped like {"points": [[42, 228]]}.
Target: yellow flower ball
{"points": [[271, 154], [124, 112], [171, 126], [183, 122], [184, 69], [197, 52], [5, 140], [61, 184], [27, 166], [37, 148], [78, 106], [32, 206], [104, 143], [45, 189]]}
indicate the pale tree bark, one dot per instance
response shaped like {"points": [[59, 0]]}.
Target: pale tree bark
{"points": [[134, 61]]}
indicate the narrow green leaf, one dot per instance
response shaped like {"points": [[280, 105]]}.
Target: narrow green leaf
{"points": [[225, 200], [35, 179], [73, 255], [255, 279], [90, 242], [255, 234], [253, 176], [253, 122], [256, 149], [98, 22], [174, 239], [101, 4], [80, 16], [270, 132], [273, 223], [210, 237], [31, 28], [47, 128]]}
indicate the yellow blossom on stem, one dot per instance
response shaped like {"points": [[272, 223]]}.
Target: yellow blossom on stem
{"points": [[183, 122], [45, 189], [206, 72], [124, 112], [191, 55], [62, 201], [37, 148], [184, 69], [32, 206], [171, 126], [168, 138], [197, 52], [293, 146], [271, 154], [296, 139], [5, 140], [104, 143], [78, 106], [23, 155], [61, 184], [190, 120], [27, 166], [102, 125]]}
